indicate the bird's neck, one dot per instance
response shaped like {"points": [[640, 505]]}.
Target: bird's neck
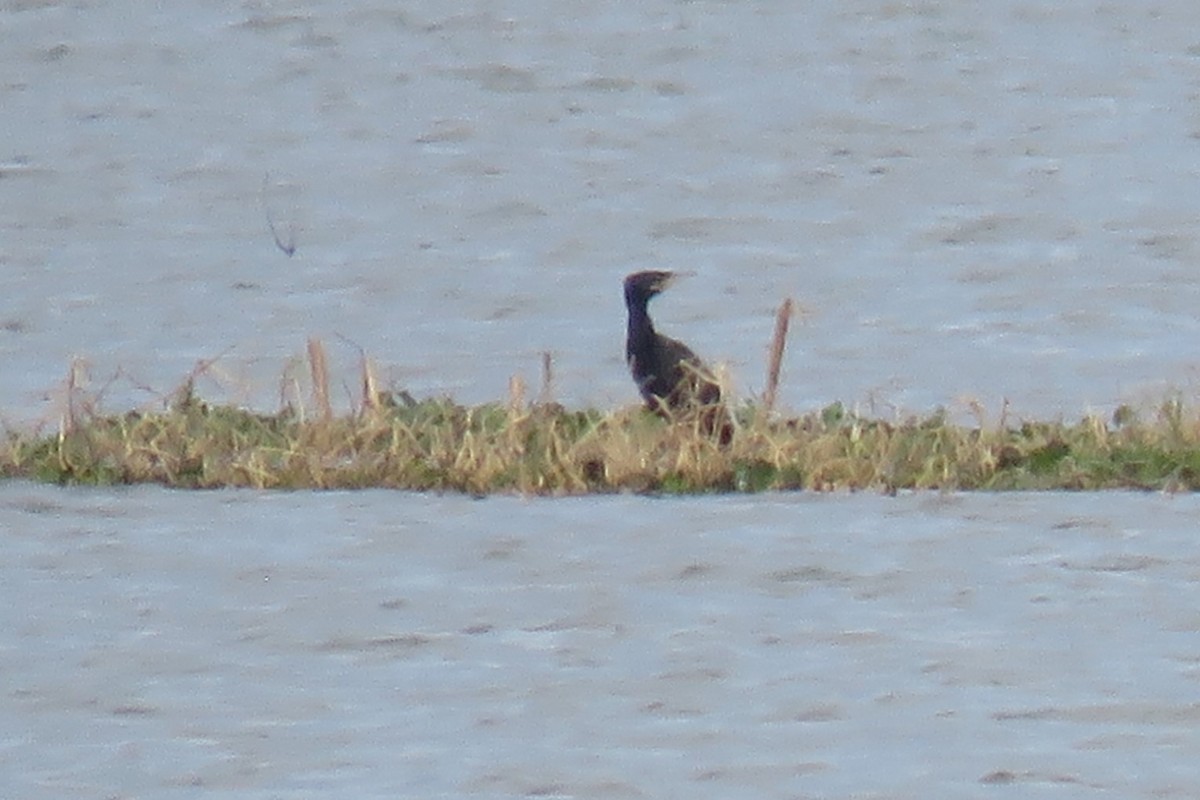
{"points": [[641, 329]]}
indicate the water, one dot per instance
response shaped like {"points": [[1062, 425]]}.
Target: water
{"points": [[967, 202], [373, 645]]}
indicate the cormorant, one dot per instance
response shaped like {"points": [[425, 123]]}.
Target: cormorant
{"points": [[671, 378]]}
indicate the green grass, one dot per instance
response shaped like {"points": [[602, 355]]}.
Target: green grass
{"points": [[438, 445]]}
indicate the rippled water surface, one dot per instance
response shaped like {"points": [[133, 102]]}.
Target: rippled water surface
{"points": [[991, 202], [966, 200], [376, 644]]}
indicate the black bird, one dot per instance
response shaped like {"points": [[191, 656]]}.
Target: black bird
{"points": [[671, 378]]}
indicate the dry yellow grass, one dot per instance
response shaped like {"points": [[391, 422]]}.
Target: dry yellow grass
{"points": [[542, 448], [546, 449]]}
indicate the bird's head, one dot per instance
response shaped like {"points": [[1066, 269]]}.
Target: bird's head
{"points": [[641, 286]]}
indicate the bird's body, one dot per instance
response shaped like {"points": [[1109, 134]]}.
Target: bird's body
{"points": [[671, 378]]}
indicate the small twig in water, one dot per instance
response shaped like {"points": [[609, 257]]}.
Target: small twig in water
{"points": [[776, 359], [70, 417], [320, 378], [369, 384], [546, 396], [516, 395], [183, 394], [288, 247]]}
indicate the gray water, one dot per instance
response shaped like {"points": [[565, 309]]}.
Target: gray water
{"points": [[162, 644], [969, 203], [966, 202]]}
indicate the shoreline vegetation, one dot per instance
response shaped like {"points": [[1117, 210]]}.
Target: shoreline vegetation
{"points": [[392, 440]]}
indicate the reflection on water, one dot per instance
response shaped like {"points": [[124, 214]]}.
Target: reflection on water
{"points": [[384, 644]]}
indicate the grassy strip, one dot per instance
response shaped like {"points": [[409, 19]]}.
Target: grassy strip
{"points": [[437, 445]]}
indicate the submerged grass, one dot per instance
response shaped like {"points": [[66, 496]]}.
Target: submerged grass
{"points": [[543, 448]]}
